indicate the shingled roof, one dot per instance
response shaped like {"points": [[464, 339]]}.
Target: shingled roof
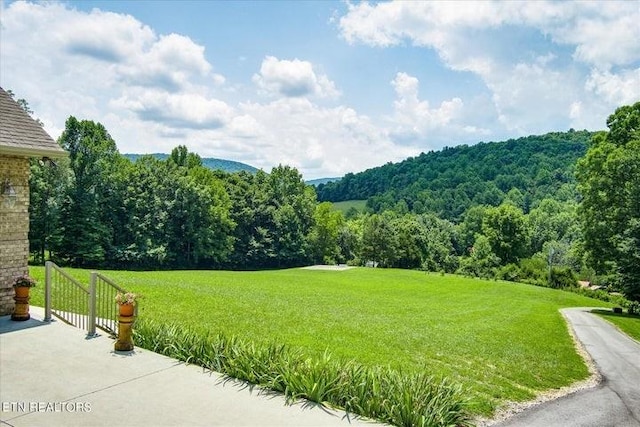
{"points": [[20, 135]]}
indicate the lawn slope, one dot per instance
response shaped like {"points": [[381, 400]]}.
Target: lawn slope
{"points": [[502, 341], [627, 323]]}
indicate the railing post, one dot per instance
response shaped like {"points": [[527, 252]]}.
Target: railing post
{"points": [[91, 329], [47, 291]]}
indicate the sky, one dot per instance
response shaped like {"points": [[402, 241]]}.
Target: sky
{"points": [[326, 87]]}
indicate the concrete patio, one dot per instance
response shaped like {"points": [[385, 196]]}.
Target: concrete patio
{"points": [[52, 374]]}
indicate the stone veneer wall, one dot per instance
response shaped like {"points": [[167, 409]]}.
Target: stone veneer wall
{"points": [[14, 229]]}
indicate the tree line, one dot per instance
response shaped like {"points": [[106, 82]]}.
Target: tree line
{"points": [[99, 209], [450, 181]]}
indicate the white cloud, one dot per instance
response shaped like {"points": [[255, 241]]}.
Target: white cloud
{"points": [[170, 62], [413, 120], [530, 98], [344, 142], [533, 85], [155, 91], [111, 68], [185, 110], [602, 32], [617, 89], [293, 78]]}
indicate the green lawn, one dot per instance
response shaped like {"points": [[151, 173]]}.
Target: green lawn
{"points": [[502, 341], [627, 323], [360, 205]]}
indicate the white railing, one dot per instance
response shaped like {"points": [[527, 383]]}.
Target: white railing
{"points": [[80, 306], [104, 293]]}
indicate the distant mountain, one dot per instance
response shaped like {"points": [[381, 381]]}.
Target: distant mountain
{"points": [[209, 162], [316, 182], [449, 181]]}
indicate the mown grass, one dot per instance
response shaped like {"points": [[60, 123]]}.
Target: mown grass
{"points": [[414, 399], [629, 324], [359, 205], [501, 341]]}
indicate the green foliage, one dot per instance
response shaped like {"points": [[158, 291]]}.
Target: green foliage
{"points": [[600, 295], [228, 166], [510, 272], [552, 220], [629, 257], [534, 271], [84, 227], [394, 397], [181, 157], [350, 241], [450, 181], [482, 262], [100, 209], [350, 208], [47, 184], [380, 239], [609, 178], [440, 237], [507, 232], [561, 278], [324, 234]]}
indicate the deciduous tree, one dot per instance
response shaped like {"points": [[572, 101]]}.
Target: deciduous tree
{"points": [[609, 181]]}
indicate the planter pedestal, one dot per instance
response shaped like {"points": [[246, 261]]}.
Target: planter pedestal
{"points": [[21, 310], [125, 333]]}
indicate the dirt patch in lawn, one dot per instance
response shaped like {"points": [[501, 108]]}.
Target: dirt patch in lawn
{"points": [[341, 267]]}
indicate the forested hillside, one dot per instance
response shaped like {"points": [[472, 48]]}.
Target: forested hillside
{"points": [[508, 210], [450, 181], [208, 162]]}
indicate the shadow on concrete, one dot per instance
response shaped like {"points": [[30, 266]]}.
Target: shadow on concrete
{"points": [[305, 404], [7, 325]]}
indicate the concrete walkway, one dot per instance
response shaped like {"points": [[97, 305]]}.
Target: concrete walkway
{"points": [[615, 402], [51, 374]]}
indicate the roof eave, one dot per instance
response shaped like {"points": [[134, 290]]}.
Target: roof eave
{"points": [[33, 152]]}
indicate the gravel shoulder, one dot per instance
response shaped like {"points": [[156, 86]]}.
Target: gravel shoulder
{"points": [[609, 397]]}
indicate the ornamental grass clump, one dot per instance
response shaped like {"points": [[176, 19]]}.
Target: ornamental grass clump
{"points": [[391, 396]]}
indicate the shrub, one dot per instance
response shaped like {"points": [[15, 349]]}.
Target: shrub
{"points": [[633, 307], [601, 295], [391, 396], [607, 281], [534, 271], [562, 278], [510, 272]]}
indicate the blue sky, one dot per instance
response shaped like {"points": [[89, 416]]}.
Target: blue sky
{"points": [[327, 87]]}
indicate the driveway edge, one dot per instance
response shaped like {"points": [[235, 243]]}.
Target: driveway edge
{"points": [[592, 381]]}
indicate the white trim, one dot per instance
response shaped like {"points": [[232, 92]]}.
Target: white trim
{"points": [[32, 152]]}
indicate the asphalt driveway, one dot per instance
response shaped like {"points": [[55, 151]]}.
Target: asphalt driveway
{"points": [[615, 401]]}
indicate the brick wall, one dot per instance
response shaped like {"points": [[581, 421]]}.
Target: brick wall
{"points": [[14, 228]]}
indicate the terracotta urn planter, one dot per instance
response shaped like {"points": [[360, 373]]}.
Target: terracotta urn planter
{"points": [[22, 286], [126, 310], [21, 310], [22, 291], [126, 304]]}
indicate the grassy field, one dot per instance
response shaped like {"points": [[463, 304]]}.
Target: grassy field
{"points": [[502, 341], [630, 325], [348, 204]]}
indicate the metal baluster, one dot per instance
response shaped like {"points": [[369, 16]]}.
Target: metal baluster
{"points": [[74, 307]]}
